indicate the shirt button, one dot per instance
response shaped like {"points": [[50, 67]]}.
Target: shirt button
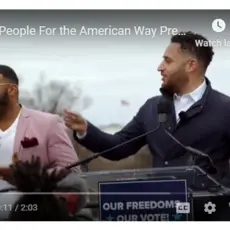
{"points": [[166, 163]]}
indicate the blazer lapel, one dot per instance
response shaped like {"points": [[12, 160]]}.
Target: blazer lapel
{"points": [[21, 129]]}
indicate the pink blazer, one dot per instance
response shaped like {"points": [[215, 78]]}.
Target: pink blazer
{"points": [[54, 144]]}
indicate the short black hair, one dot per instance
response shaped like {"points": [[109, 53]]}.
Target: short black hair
{"points": [[189, 42], [9, 74], [30, 177]]}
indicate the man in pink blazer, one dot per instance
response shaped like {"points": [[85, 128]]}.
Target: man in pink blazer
{"points": [[25, 132]]}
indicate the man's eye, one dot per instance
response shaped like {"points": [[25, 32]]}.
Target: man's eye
{"points": [[167, 60]]}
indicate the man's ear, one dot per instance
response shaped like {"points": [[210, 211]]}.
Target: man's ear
{"points": [[13, 90], [191, 66]]}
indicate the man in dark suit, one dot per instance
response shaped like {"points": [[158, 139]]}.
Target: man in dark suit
{"points": [[205, 124]]}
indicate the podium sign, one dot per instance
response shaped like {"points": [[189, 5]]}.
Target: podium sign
{"points": [[144, 200]]}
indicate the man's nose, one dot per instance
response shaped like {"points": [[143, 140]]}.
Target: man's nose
{"points": [[160, 68]]}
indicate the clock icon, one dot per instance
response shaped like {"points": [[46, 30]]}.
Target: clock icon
{"points": [[218, 25]]}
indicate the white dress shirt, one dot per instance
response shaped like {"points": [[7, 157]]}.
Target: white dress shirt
{"points": [[7, 138], [184, 102]]}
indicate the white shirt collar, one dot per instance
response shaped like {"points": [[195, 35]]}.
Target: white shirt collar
{"points": [[196, 94]]}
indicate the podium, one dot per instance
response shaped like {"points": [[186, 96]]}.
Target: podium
{"points": [[155, 194]]}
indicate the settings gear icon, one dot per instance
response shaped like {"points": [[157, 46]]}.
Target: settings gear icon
{"points": [[209, 207]]}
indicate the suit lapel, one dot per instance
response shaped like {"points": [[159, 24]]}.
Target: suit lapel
{"points": [[21, 129]]}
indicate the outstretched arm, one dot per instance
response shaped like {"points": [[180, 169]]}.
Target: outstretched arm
{"points": [[96, 140]]}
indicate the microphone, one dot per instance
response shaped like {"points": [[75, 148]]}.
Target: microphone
{"points": [[161, 117], [163, 109]]}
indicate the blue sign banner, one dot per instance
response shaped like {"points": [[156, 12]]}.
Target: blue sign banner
{"points": [[143, 200]]}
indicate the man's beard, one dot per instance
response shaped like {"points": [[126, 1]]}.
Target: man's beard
{"points": [[4, 104], [170, 88], [176, 85]]}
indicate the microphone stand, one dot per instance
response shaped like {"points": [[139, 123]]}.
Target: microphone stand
{"points": [[164, 108], [195, 152], [96, 155], [8, 190]]}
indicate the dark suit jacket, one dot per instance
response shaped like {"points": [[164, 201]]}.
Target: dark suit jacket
{"points": [[206, 127]]}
